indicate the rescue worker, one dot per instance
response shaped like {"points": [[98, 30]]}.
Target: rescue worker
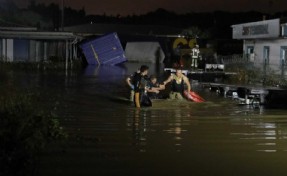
{"points": [[129, 81], [178, 80], [140, 83], [195, 56]]}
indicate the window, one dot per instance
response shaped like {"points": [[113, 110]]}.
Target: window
{"points": [[21, 50]]}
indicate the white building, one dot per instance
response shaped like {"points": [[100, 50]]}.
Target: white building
{"points": [[264, 44]]}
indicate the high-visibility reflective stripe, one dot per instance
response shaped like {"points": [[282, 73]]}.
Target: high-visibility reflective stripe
{"points": [[137, 100]]}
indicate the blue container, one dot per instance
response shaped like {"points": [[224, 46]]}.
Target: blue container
{"points": [[105, 50]]}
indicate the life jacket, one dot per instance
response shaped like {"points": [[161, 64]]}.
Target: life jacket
{"points": [[195, 53]]}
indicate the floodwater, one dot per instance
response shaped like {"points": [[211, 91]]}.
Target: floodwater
{"points": [[108, 136]]}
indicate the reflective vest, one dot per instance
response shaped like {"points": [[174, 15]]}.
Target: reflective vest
{"points": [[195, 52]]}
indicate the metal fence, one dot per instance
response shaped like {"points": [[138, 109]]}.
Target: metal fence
{"points": [[232, 59]]}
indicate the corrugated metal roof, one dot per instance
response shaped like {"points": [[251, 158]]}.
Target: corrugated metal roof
{"points": [[37, 35], [12, 30]]}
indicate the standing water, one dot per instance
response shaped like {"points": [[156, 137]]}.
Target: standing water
{"points": [[108, 136]]}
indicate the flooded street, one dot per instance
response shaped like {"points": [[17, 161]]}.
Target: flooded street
{"points": [[108, 136]]}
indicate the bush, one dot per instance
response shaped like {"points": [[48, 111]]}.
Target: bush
{"points": [[246, 74], [24, 132]]}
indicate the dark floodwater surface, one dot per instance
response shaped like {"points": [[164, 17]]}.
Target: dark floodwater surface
{"points": [[108, 136]]}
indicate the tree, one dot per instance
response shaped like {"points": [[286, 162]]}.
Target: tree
{"points": [[196, 32]]}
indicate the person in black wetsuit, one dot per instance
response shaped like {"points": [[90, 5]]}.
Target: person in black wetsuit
{"points": [[140, 83], [129, 81]]}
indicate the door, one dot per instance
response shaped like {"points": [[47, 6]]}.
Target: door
{"points": [[266, 56], [250, 53], [283, 58]]}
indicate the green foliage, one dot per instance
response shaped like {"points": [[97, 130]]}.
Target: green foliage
{"points": [[246, 74], [25, 130], [56, 59], [196, 32], [270, 78]]}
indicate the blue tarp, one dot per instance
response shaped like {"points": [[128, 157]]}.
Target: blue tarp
{"points": [[105, 50]]}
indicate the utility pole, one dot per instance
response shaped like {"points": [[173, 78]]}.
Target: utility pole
{"points": [[270, 3], [62, 15]]}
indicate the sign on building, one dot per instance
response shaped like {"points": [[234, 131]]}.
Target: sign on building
{"points": [[261, 29]]}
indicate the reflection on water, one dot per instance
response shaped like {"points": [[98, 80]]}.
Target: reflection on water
{"points": [[269, 132], [108, 136]]}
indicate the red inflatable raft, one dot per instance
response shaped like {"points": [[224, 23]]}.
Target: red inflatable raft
{"points": [[192, 96]]}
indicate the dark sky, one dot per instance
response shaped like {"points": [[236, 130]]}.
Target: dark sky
{"points": [[125, 7]]}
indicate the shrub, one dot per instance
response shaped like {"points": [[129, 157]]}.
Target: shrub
{"points": [[25, 130]]}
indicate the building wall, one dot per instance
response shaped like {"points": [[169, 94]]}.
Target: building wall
{"points": [[20, 50], [8, 48], [275, 52], [32, 51]]}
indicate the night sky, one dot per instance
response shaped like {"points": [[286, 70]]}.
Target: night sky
{"points": [[125, 7]]}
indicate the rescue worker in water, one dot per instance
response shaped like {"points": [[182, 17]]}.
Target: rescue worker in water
{"points": [[178, 80], [140, 83], [129, 81]]}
